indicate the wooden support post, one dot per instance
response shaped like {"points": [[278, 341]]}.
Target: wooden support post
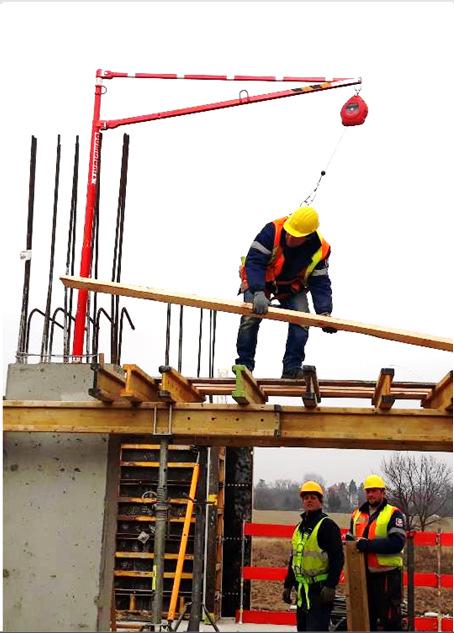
{"points": [[139, 386], [176, 388], [312, 396], [246, 389], [356, 589], [107, 383], [441, 395], [382, 398]]}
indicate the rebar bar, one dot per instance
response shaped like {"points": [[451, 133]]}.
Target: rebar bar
{"points": [[27, 254], [118, 251], [45, 337], [70, 254]]}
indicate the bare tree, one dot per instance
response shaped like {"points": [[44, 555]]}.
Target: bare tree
{"points": [[419, 486]]}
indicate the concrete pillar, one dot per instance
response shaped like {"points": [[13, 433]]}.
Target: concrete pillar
{"points": [[59, 513]]}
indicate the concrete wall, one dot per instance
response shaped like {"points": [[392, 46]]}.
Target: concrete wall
{"points": [[59, 513]]}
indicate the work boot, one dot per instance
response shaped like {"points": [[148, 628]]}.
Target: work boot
{"points": [[295, 373]]}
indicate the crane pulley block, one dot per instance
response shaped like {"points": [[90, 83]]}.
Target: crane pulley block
{"points": [[354, 111]]}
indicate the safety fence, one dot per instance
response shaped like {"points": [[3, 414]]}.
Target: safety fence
{"points": [[435, 580]]}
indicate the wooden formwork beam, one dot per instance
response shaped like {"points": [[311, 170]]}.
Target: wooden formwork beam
{"points": [[177, 388], [246, 389], [231, 425], [312, 395], [139, 386], [108, 383], [441, 395], [382, 397], [277, 314]]}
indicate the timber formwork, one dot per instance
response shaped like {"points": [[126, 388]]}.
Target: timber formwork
{"points": [[144, 409], [132, 403], [134, 556]]}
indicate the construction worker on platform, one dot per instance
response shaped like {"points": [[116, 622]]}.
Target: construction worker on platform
{"points": [[379, 531], [287, 259], [315, 564]]}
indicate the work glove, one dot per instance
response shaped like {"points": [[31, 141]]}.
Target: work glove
{"points": [[260, 303], [362, 545], [286, 595], [327, 328], [327, 595]]}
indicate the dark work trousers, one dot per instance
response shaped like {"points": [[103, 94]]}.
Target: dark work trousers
{"points": [[385, 596], [317, 618], [296, 338]]}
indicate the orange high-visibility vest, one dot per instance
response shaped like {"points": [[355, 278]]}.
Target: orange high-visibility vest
{"points": [[378, 528], [277, 260]]}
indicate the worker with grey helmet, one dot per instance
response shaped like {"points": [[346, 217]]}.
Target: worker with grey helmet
{"points": [[315, 563], [379, 530]]}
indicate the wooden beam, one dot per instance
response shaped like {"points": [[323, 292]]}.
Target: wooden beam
{"points": [[356, 589], [441, 395], [311, 397], [246, 389], [139, 386], [176, 388], [382, 397], [277, 314], [108, 383], [231, 425]]}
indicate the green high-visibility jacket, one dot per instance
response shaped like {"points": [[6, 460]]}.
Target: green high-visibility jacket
{"points": [[309, 562]]}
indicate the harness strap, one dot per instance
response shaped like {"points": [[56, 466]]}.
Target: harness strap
{"points": [[305, 582]]}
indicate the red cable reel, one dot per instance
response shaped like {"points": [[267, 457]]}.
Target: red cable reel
{"points": [[354, 111]]}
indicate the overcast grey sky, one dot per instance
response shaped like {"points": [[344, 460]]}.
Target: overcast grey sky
{"points": [[201, 187]]}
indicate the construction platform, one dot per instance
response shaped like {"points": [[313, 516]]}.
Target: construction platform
{"points": [[132, 403]]}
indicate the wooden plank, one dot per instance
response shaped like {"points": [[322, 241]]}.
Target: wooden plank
{"points": [[246, 389], [139, 386], [382, 397], [176, 388], [148, 574], [441, 395], [255, 425], [277, 314], [140, 555], [148, 519], [156, 464], [356, 589]]}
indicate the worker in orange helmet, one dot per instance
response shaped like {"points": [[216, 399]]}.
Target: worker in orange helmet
{"points": [[286, 260], [379, 530], [315, 564]]}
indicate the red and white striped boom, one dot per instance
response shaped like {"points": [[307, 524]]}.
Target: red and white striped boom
{"points": [[316, 85]]}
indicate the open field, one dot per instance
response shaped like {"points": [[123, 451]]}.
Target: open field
{"points": [[342, 519], [268, 552]]}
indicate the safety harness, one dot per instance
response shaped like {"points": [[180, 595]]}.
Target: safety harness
{"points": [[309, 561]]}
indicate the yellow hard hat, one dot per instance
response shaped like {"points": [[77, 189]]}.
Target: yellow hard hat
{"points": [[302, 222], [373, 481], [311, 486]]}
